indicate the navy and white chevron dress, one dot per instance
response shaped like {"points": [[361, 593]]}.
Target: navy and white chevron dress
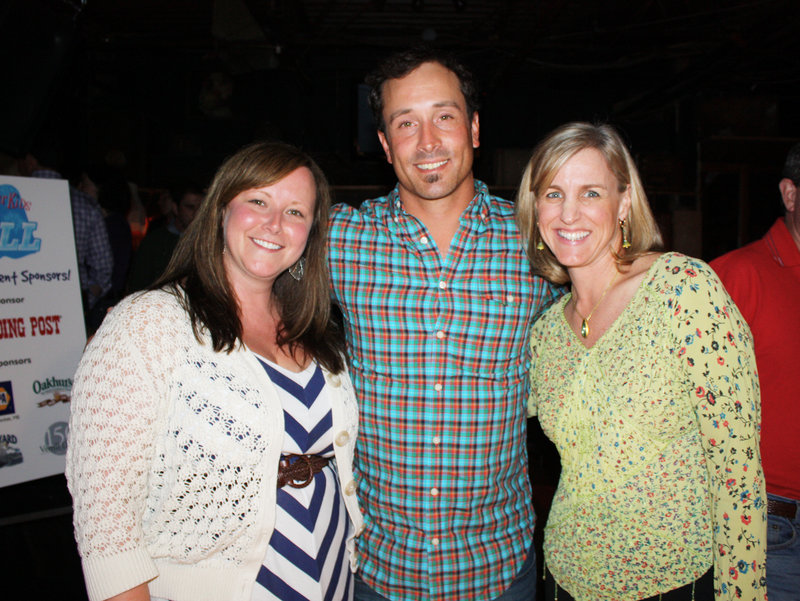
{"points": [[306, 559]]}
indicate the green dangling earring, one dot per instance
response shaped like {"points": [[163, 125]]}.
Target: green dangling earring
{"points": [[623, 223], [539, 242]]}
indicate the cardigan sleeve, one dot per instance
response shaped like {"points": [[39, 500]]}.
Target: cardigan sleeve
{"points": [[119, 384], [715, 348]]}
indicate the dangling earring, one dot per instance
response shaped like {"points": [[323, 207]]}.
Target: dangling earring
{"points": [[623, 225], [298, 270], [540, 243]]}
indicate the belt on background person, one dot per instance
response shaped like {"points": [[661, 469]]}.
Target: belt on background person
{"points": [[784, 509], [299, 470]]}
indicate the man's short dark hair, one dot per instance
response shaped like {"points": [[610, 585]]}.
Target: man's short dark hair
{"points": [[791, 167], [400, 64]]}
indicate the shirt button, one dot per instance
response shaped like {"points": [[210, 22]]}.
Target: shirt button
{"points": [[423, 240], [440, 334], [443, 285], [510, 298], [435, 492], [435, 541], [350, 487], [437, 387], [436, 440], [342, 438]]}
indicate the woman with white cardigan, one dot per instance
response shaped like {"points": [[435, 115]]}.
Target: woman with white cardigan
{"points": [[213, 421]]}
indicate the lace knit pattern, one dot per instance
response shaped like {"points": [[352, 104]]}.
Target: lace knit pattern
{"points": [[173, 456], [657, 428]]}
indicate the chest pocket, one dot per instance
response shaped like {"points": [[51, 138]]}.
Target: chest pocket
{"points": [[491, 313]]}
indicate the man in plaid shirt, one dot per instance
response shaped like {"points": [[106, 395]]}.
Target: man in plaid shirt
{"points": [[437, 297]]}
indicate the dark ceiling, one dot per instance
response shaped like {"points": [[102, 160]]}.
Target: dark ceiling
{"points": [[176, 84], [726, 44]]}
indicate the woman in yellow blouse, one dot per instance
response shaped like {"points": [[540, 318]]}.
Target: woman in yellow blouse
{"points": [[644, 378]]}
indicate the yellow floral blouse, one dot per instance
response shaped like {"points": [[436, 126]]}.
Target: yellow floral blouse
{"points": [[657, 426]]}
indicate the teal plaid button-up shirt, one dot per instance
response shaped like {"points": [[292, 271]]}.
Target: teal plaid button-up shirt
{"points": [[439, 361]]}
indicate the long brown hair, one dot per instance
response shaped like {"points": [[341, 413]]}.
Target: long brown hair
{"points": [[197, 266]]}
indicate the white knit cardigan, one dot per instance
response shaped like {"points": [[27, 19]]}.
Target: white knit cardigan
{"points": [[173, 456]]}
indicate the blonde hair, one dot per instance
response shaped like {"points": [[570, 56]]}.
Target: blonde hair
{"points": [[548, 157]]}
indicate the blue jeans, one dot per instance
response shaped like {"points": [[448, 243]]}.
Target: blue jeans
{"points": [[522, 588], [783, 555]]}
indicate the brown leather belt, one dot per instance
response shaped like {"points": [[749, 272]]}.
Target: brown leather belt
{"points": [[299, 470], [784, 509]]}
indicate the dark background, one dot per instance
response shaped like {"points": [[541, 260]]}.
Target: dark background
{"points": [[705, 91]]}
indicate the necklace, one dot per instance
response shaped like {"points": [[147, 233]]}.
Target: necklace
{"points": [[585, 320]]}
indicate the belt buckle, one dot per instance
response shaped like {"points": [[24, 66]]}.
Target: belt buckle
{"points": [[295, 483]]}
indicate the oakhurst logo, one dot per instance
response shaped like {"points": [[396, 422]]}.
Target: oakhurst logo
{"points": [[53, 383]]}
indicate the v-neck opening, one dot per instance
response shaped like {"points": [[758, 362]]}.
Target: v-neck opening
{"points": [[614, 324]]}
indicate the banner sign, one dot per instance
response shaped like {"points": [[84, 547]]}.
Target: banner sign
{"points": [[42, 332]]}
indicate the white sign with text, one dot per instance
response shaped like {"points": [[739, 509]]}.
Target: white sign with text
{"points": [[42, 331]]}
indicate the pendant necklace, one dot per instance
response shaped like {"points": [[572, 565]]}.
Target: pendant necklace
{"points": [[585, 320]]}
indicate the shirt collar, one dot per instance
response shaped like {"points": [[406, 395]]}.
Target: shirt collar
{"points": [[478, 208], [781, 245]]}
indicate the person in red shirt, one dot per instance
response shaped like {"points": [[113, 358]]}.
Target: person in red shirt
{"points": [[764, 280]]}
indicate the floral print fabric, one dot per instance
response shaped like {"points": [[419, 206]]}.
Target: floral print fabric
{"points": [[657, 426]]}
